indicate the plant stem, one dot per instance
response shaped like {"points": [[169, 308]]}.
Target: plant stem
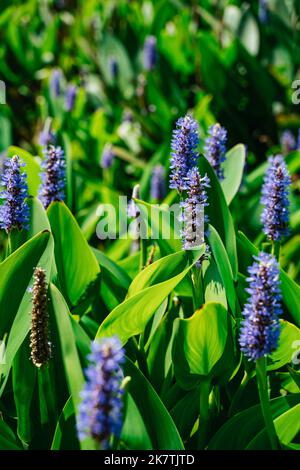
{"points": [[276, 250], [204, 413], [262, 384]]}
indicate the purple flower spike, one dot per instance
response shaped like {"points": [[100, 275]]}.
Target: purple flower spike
{"points": [[100, 411], [55, 83], [150, 53], [275, 199], [70, 97], [113, 67], [288, 142], [47, 136], [263, 13], [107, 156], [14, 211], [194, 205], [158, 184], [215, 148], [184, 154], [53, 177], [260, 328]]}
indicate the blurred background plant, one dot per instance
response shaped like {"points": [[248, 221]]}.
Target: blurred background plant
{"points": [[116, 75]]}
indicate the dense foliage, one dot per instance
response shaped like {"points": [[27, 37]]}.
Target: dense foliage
{"points": [[162, 342]]}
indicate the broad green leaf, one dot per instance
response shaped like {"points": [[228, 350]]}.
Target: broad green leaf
{"points": [[71, 362], [38, 217], [76, 264], [214, 289], [223, 264], [287, 426], [219, 215], [8, 440], [135, 437], [289, 345], [249, 34], [112, 269], [65, 435], [200, 343], [294, 374], [131, 317], [162, 224], [157, 272], [186, 412], [114, 279], [15, 274], [32, 168], [24, 380], [22, 318], [239, 431], [72, 365], [233, 171], [159, 424], [37, 223]]}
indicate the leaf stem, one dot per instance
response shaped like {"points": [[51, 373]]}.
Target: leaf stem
{"points": [[276, 250], [262, 384]]}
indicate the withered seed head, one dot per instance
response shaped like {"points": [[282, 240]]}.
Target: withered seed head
{"points": [[39, 336]]}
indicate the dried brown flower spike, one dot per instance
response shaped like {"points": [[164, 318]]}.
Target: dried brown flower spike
{"points": [[39, 336]]}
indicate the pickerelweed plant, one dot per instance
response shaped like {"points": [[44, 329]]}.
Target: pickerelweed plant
{"points": [[140, 331], [100, 411]]}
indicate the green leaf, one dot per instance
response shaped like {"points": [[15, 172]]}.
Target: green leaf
{"points": [[219, 215], [65, 435], [15, 274], [76, 264], [214, 290], [114, 279], [287, 426], [71, 361], [162, 225], [249, 33], [186, 412], [295, 375], [113, 269], [8, 440], [37, 223], [157, 272], [131, 317], [239, 431], [223, 264], [200, 343], [24, 380], [289, 344], [21, 320], [160, 426], [32, 168], [233, 171], [135, 437]]}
